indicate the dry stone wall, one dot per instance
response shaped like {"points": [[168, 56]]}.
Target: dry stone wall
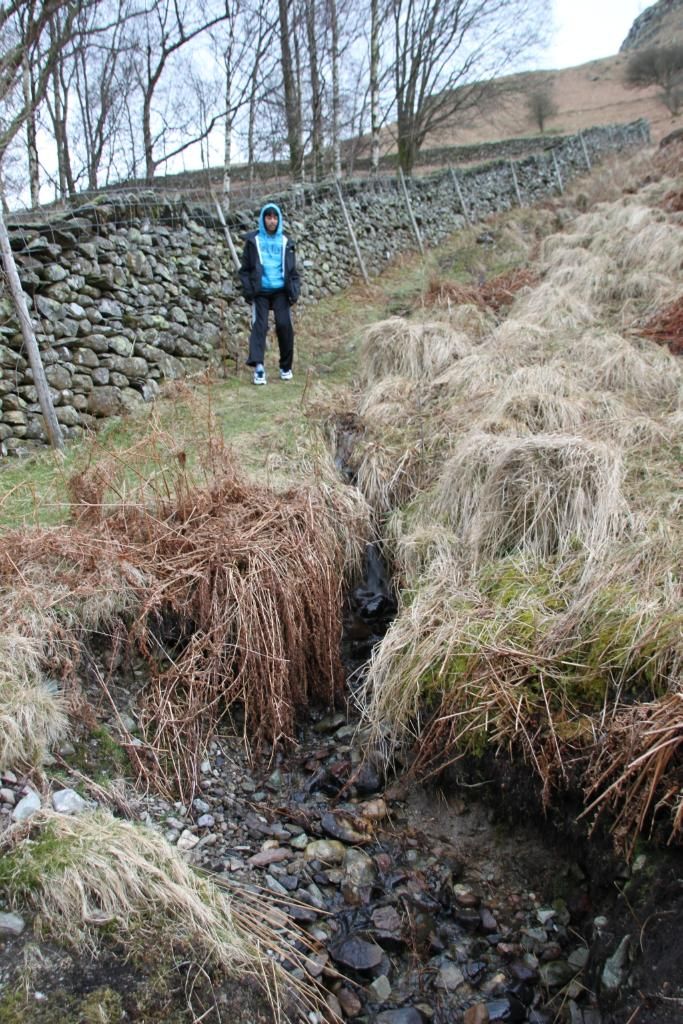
{"points": [[137, 289]]}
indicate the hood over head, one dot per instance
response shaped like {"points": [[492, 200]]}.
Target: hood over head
{"points": [[262, 223]]}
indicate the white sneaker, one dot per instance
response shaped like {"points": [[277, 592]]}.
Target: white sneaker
{"points": [[286, 374], [259, 376]]}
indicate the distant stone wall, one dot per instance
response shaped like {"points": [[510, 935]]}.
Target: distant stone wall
{"points": [[137, 289]]}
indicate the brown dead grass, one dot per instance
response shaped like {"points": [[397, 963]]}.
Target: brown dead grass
{"points": [[497, 294], [667, 327], [231, 592]]}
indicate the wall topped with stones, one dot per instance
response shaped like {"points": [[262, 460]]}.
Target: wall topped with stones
{"points": [[137, 289]]}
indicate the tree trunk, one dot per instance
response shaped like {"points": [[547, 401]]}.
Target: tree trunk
{"points": [[227, 148], [31, 136], [54, 431], [292, 111], [336, 102], [374, 85], [316, 92]]}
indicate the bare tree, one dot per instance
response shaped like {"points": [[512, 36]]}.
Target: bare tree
{"points": [[444, 56], [166, 28], [291, 91], [541, 104], [662, 66], [316, 88], [102, 72]]}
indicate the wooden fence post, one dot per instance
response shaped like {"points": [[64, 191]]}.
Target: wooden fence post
{"points": [[557, 172], [352, 233], [231, 244], [54, 431], [516, 183], [585, 151], [410, 211], [461, 198]]}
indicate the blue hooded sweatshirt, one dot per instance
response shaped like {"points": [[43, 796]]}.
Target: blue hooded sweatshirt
{"points": [[271, 250]]}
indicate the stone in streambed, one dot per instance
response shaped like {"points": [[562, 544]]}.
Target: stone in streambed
{"points": [[357, 953], [328, 851]]}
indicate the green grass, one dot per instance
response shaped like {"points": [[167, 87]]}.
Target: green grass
{"points": [[263, 425]]}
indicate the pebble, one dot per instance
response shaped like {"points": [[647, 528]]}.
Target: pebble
{"points": [[450, 977], [7, 796], [356, 953], [381, 988], [68, 801], [329, 851], [11, 924], [477, 1014], [186, 841], [406, 1015], [27, 806], [271, 856]]}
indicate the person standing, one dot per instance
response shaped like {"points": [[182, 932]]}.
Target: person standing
{"points": [[270, 280]]}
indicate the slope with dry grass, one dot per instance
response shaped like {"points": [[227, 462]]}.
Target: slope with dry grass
{"points": [[538, 544]]}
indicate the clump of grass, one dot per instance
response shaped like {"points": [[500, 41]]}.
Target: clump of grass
{"points": [[648, 375], [413, 349], [32, 712], [541, 494], [94, 876]]}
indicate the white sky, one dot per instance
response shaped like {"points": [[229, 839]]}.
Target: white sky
{"points": [[589, 29]]}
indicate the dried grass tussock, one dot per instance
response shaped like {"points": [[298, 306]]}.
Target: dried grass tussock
{"points": [[94, 872], [540, 494], [540, 553], [419, 350], [32, 713], [232, 593]]}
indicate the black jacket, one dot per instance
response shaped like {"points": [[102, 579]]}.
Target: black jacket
{"points": [[251, 269]]}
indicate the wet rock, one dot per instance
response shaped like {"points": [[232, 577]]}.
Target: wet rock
{"points": [[11, 924], [388, 928], [555, 974], [477, 1014], [449, 977], [367, 780], [339, 827], [360, 874], [487, 920], [187, 841], [357, 953], [578, 958], [329, 851], [380, 989], [506, 1009], [68, 801], [349, 1002], [523, 972], [465, 897], [405, 1015], [614, 971], [265, 857], [27, 806]]}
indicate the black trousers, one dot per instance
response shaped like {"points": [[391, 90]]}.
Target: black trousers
{"points": [[279, 303]]}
